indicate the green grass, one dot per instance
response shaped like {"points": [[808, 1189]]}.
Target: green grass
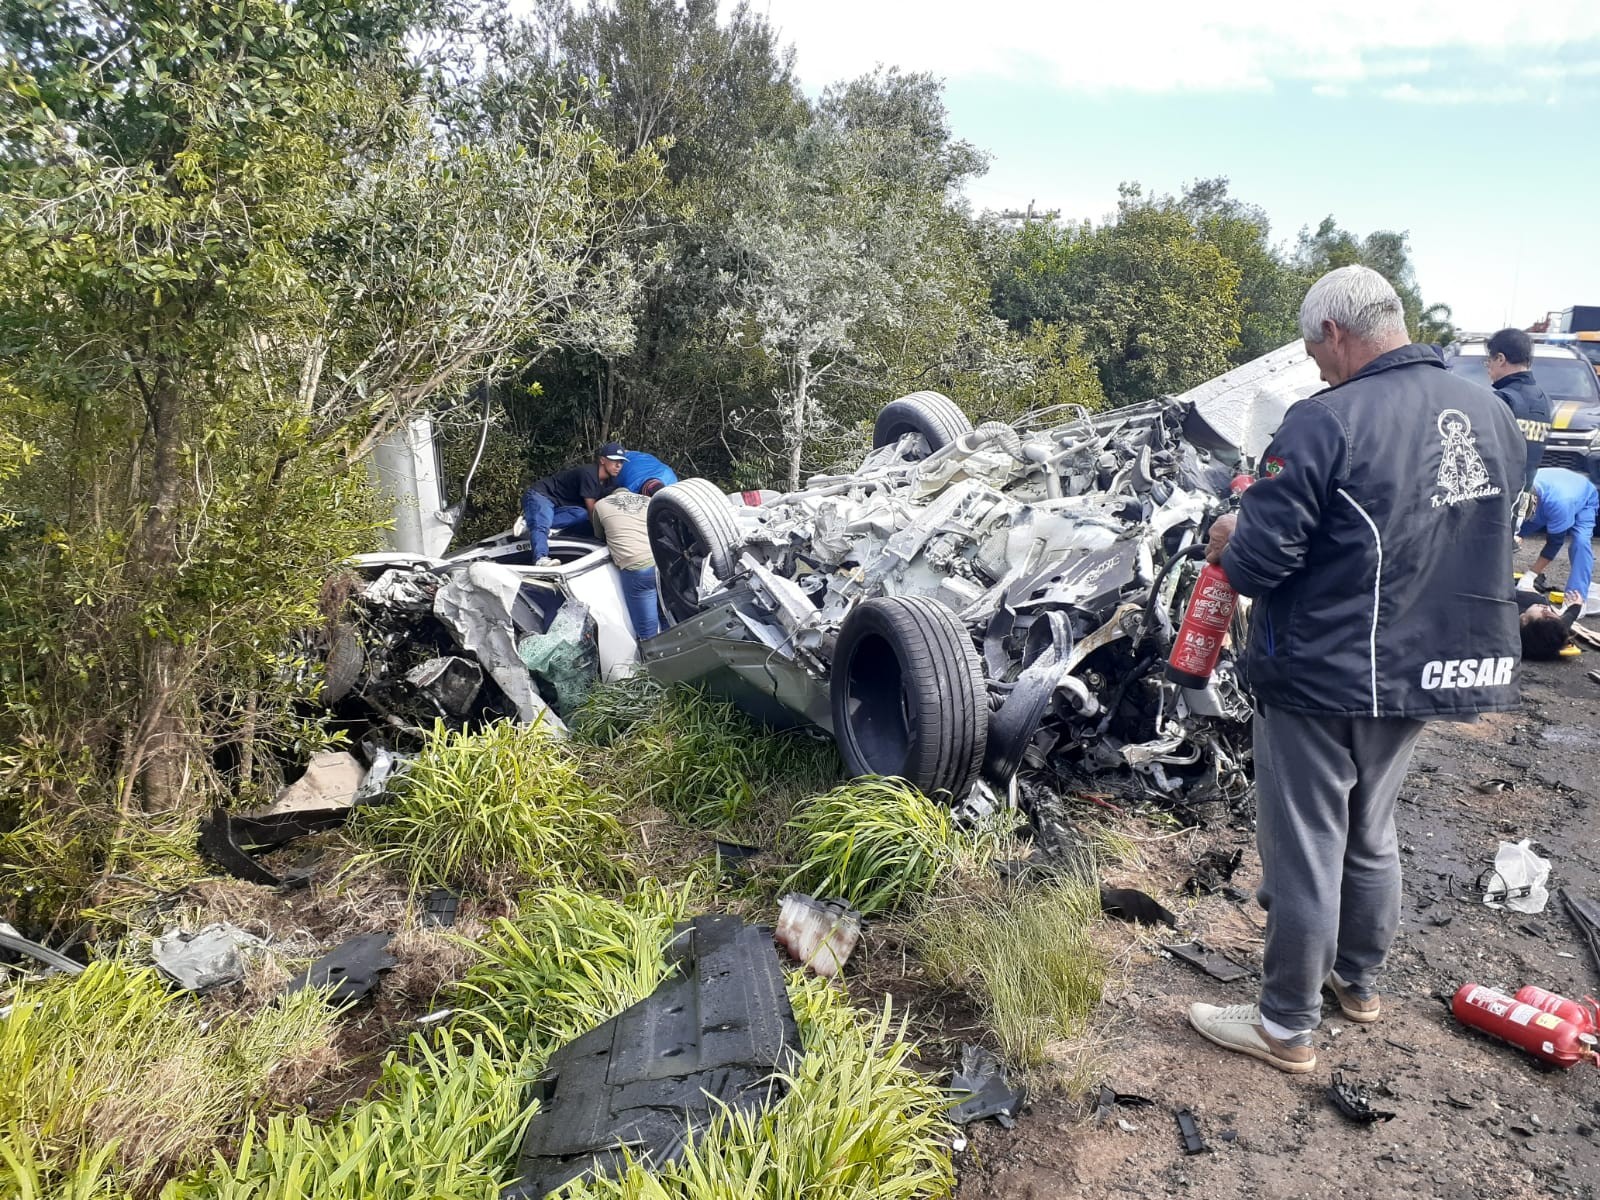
{"points": [[1025, 955], [568, 961], [858, 1123], [701, 759], [443, 1121], [109, 1081], [879, 844], [493, 810], [442, 1124]]}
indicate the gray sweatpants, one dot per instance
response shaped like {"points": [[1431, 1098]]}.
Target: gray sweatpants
{"points": [[1330, 863]]}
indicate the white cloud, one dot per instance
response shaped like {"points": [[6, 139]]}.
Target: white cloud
{"points": [[1177, 45], [1408, 93]]}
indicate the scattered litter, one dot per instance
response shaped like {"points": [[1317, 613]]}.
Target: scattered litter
{"points": [[1402, 1047], [1595, 676], [819, 934], [208, 958], [1130, 904], [1588, 637], [331, 781], [1127, 1126], [1585, 914], [1213, 871], [386, 767], [433, 1018], [715, 1036], [439, 908], [1517, 879], [1219, 966], [351, 968], [1110, 1099], [1229, 1135], [1490, 787], [982, 1081], [11, 940], [1457, 1102], [958, 1143], [1189, 1131], [1533, 929], [1352, 1100]]}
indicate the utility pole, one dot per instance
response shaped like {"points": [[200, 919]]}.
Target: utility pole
{"points": [[1028, 214]]}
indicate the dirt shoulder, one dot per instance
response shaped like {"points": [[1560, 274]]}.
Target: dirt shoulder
{"points": [[1474, 1118]]}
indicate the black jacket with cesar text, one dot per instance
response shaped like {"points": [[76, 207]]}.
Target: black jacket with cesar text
{"points": [[1377, 542], [1531, 407]]}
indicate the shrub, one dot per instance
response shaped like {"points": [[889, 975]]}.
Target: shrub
{"points": [[1026, 956], [479, 809], [858, 1122], [878, 844], [700, 758], [109, 1081]]}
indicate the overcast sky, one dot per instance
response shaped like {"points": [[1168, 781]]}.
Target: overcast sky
{"points": [[1474, 126]]}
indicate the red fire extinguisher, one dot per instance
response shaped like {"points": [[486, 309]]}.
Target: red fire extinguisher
{"points": [[1542, 1034], [1205, 622], [1581, 1015]]}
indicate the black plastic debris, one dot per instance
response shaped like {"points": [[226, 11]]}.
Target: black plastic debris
{"points": [[1585, 914], [1213, 871], [1353, 1101], [1492, 787], [1130, 904], [713, 1035], [1189, 1131], [231, 841], [450, 683], [985, 1092], [733, 859], [439, 908], [1109, 1100], [1219, 966], [53, 960], [351, 968]]}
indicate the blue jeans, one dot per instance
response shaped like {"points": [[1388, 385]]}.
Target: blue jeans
{"points": [[542, 515], [639, 594]]}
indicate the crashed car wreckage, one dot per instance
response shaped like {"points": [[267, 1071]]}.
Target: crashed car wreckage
{"points": [[973, 609]]}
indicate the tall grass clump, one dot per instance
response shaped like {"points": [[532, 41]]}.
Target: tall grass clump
{"points": [[858, 1122], [1025, 955], [487, 809], [110, 1082], [879, 844], [442, 1123], [566, 962], [699, 758]]}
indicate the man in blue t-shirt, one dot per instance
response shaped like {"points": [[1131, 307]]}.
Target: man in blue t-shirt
{"points": [[640, 469], [567, 498]]}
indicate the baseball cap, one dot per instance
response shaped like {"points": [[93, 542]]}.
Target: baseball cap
{"points": [[613, 451]]}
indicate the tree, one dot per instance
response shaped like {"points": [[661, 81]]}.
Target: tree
{"points": [[1387, 253], [234, 250]]}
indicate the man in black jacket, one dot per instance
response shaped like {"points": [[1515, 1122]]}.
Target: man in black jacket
{"points": [[1377, 544], [1510, 365]]}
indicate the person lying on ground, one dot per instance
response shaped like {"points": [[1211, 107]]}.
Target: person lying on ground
{"points": [[566, 499], [621, 520], [640, 469], [1377, 544], [1564, 507]]}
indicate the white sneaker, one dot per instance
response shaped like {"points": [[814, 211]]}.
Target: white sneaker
{"points": [[1238, 1027], [547, 561]]}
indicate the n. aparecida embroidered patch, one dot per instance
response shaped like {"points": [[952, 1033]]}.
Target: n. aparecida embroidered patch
{"points": [[1462, 475]]}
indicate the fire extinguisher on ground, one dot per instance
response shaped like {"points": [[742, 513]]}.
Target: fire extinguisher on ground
{"points": [[1204, 628], [1542, 1034]]}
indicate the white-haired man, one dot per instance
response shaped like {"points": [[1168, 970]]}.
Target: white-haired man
{"points": [[1377, 544]]}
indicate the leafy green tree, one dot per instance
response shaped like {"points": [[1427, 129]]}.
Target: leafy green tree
{"points": [[1387, 253], [1270, 289], [234, 250]]}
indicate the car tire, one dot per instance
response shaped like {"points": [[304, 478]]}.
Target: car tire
{"points": [[908, 695], [690, 523], [931, 414]]}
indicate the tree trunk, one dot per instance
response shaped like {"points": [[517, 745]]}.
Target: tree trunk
{"points": [[797, 434]]}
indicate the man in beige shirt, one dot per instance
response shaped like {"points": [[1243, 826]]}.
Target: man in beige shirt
{"points": [[620, 518]]}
